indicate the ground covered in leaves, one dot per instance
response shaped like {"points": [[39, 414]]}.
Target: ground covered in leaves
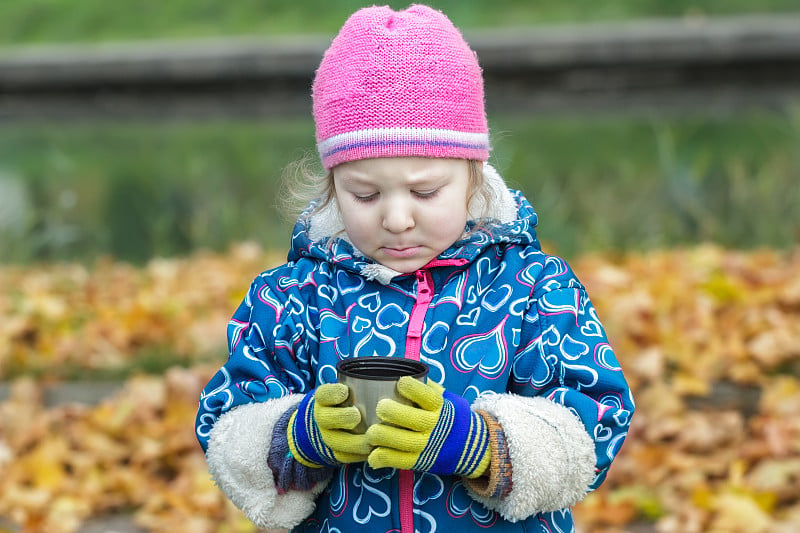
{"points": [[709, 339]]}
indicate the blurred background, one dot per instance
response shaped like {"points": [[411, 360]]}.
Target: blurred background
{"points": [[142, 146], [144, 129]]}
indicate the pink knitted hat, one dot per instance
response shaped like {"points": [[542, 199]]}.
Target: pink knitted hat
{"points": [[399, 84]]}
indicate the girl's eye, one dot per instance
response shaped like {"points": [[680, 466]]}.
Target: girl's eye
{"points": [[365, 198], [426, 194]]}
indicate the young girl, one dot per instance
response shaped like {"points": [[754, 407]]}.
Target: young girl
{"points": [[414, 248]]}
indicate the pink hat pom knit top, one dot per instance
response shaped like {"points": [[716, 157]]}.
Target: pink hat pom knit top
{"points": [[399, 84]]}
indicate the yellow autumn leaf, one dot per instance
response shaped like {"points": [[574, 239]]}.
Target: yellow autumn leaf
{"points": [[738, 513]]}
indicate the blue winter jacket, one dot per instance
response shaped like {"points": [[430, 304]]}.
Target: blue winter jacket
{"points": [[499, 322]]}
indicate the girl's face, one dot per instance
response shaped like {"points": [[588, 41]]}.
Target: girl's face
{"points": [[403, 211]]}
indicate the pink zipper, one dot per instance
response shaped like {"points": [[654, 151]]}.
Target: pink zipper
{"points": [[406, 501], [413, 346], [417, 320]]}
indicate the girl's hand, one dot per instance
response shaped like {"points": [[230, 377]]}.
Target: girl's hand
{"points": [[318, 432], [440, 434]]}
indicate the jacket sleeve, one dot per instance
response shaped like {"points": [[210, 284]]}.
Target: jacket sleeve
{"points": [[265, 375], [568, 407], [237, 460]]}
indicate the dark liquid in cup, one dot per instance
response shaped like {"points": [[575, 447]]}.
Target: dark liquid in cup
{"points": [[382, 368]]}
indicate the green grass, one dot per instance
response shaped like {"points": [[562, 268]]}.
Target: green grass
{"points": [[138, 190], [78, 191], [38, 21], [641, 184]]}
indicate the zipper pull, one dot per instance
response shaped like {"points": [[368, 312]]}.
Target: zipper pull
{"points": [[423, 284]]}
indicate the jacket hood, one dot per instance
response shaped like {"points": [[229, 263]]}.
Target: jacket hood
{"points": [[319, 234]]}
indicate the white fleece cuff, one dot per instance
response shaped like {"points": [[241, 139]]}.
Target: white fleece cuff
{"points": [[552, 455], [237, 454]]}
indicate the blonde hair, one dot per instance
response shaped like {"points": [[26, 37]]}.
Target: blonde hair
{"points": [[303, 184]]}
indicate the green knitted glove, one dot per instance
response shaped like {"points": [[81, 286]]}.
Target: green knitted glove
{"points": [[440, 434], [318, 430]]}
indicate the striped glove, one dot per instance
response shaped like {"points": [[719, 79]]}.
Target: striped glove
{"points": [[440, 434], [318, 430]]}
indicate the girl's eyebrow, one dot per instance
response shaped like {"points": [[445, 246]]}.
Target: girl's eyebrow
{"points": [[431, 180], [353, 176], [364, 178], [427, 175], [427, 183]]}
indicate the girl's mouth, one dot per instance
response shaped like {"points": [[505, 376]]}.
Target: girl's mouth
{"points": [[401, 252]]}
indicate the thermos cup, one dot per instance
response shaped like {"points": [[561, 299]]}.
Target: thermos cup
{"points": [[371, 379]]}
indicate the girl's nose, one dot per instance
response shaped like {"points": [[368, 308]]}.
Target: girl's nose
{"points": [[397, 217]]}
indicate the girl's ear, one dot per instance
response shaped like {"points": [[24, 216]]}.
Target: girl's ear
{"points": [[327, 221], [478, 199], [492, 200]]}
